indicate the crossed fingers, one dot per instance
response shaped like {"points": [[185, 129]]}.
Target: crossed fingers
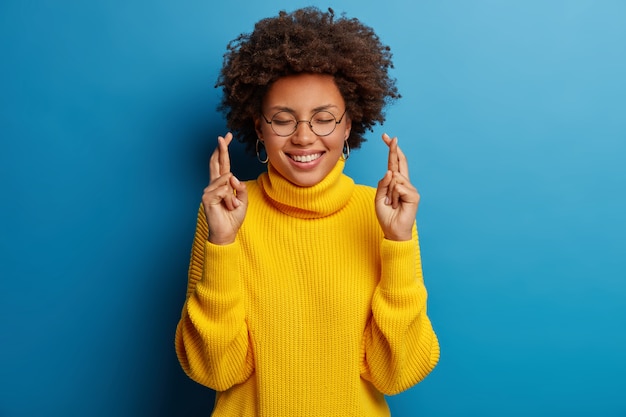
{"points": [[398, 166], [220, 188], [219, 164]]}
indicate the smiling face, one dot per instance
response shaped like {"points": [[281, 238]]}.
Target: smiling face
{"points": [[303, 157]]}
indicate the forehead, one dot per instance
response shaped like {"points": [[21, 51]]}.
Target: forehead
{"points": [[303, 92]]}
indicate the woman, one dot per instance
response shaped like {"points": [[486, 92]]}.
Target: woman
{"points": [[305, 293]]}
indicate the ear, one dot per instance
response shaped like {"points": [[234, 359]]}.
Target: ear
{"points": [[258, 123], [348, 127]]}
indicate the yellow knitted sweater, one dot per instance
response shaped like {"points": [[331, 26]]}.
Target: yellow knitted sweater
{"points": [[310, 312]]}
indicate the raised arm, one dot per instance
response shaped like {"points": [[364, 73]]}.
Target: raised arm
{"points": [[399, 344], [212, 341]]}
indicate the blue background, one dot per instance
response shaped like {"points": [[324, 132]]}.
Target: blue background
{"points": [[514, 122]]}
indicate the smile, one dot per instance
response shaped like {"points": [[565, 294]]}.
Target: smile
{"points": [[306, 158]]}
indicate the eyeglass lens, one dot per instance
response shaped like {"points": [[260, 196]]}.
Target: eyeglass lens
{"points": [[322, 123]]}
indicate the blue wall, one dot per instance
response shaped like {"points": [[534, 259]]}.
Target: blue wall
{"points": [[514, 121]]}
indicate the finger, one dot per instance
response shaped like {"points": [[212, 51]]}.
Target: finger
{"points": [[216, 194], [224, 157], [219, 182], [214, 165], [393, 167], [401, 185], [392, 159], [392, 185], [389, 142], [407, 193], [403, 163], [240, 192], [394, 192], [383, 187]]}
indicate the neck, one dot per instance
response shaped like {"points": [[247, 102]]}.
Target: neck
{"points": [[319, 200]]}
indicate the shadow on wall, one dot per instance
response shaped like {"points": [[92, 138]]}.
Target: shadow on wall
{"points": [[185, 398], [180, 396], [244, 165]]}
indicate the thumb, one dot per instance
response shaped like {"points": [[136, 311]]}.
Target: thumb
{"points": [[240, 189]]}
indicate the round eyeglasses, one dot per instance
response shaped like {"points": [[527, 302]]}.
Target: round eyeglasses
{"points": [[322, 123]]}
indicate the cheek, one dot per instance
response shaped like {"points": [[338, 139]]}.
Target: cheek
{"points": [[337, 141], [272, 145], [335, 147]]}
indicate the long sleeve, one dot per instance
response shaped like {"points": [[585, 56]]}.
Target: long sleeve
{"points": [[399, 345], [212, 342], [310, 312]]}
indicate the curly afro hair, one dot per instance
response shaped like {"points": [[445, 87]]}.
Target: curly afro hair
{"points": [[312, 41]]}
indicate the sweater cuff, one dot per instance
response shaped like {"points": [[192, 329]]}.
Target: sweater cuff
{"points": [[220, 274], [400, 264]]}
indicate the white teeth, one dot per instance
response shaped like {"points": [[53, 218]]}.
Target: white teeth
{"points": [[306, 158]]}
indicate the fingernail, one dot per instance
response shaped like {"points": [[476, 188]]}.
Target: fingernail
{"points": [[387, 200]]}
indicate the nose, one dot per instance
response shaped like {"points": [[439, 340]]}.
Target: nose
{"points": [[303, 134]]}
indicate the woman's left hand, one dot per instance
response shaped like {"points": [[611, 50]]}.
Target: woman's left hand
{"points": [[396, 198]]}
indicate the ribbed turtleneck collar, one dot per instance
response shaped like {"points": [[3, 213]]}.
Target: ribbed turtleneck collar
{"points": [[320, 200]]}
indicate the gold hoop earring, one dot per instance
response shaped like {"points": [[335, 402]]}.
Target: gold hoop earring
{"points": [[345, 152], [259, 144]]}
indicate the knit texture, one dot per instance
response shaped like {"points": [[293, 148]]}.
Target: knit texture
{"points": [[310, 312]]}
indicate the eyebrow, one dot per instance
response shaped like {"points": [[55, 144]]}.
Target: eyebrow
{"points": [[315, 109]]}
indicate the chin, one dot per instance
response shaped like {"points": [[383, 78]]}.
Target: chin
{"points": [[304, 183]]}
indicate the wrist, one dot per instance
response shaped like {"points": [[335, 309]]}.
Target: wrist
{"points": [[216, 240], [399, 237]]}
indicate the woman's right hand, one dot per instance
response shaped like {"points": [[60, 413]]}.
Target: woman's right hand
{"points": [[225, 199]]}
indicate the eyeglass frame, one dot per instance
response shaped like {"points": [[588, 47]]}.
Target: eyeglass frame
{"points": [[269, 122]]}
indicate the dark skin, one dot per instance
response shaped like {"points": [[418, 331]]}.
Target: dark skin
{"points": [[225, 199], [396, 198]]}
